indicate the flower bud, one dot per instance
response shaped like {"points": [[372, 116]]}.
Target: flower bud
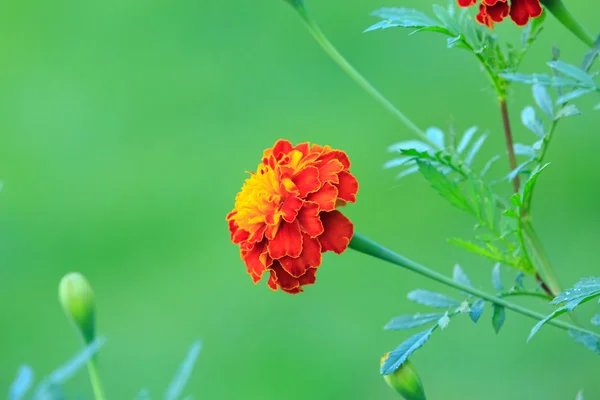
{"points": [[405, 381], [77, 299]]}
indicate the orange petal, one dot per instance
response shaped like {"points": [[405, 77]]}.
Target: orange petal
{"points": [[339, 155], [290, 207], [348, 187], [307, 181], [310, 257], [283, 279], [328, 171], [256, 262], [338, 232], [280, 148], [287, 241], [271, 282], [325, 197], [309, 220]]}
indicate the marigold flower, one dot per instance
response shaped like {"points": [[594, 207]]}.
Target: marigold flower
{"points": [[286, 214], [492, 11]]}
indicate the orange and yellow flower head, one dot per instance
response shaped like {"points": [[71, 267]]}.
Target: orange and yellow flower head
{"points": [[286, 214]]}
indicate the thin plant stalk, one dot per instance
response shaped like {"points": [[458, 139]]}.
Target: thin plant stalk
{"points": [[95, 380], [366, 246]]}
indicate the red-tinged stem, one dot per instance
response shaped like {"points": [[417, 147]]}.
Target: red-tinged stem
{"points": [[512, 158]]}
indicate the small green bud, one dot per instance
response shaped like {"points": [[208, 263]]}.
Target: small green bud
{"points": [[405, 381], [77, 299]]}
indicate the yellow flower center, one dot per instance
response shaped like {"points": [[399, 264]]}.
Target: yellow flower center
{"points": [[259, 200]]}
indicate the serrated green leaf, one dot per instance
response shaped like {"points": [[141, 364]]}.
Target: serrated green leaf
{"points": [[460, 276], [523, 150], [475, 248], [489, 164], [407, 172], [520, 169], [397, 162], [67, 370], [570, 306], [590, 341], [570, 110], [519, 280], [476, 310], [436, 136], [22, 383], [531, 182], [542, 79], [399, 356], [471, 34], [573, 72], [510, 213], [572, 95], [531, 121], [586, 287], [543, 100], [498, 317], [448, 21], [497, 277], [410, 145], [184, 371], [444, 186], [591, 55], [432, 299], [401, 17], [475, 149], [466, 139], [412, 321]]}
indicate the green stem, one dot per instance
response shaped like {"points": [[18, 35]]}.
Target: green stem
{"points": [[95, 380], [350, 70], [528, 294], [558, 9], [364, 245]]}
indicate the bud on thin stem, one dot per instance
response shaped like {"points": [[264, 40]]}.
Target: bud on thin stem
{"points": [[77, 299]]}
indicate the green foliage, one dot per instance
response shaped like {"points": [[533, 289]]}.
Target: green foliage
{"points": [[431, 299], [583, 291], [477, 310], [48, 388], [498, 317], [405, 350], [591, 342], [412, 321], [183, 373], [21, 384]]}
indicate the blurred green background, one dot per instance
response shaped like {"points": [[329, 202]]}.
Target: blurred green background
{"points": [[126, 130]]}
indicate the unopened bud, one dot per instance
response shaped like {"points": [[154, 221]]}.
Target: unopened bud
{"points": [[77, 299], [405, 381]]}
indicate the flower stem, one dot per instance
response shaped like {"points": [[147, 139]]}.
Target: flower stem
{"points": [[350, 70], [95, 380], [558, 9], [512, 158], [364, 245]]}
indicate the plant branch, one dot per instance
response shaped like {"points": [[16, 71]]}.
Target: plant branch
{"points": [[366, 246], [512, 158], [95, 380], [352, 72], [544, 296]]}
